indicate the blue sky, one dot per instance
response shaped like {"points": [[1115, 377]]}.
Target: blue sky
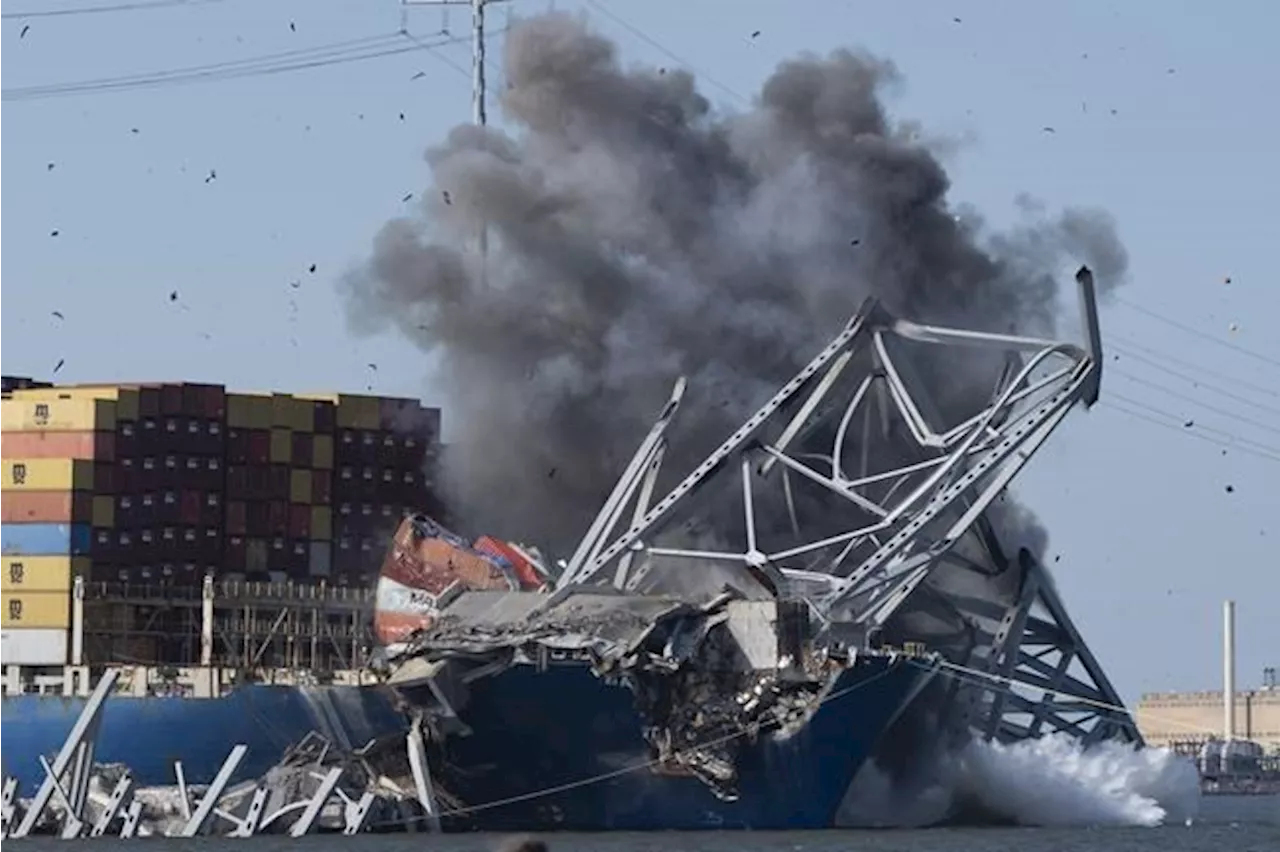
{"points": [[1159, 118]]}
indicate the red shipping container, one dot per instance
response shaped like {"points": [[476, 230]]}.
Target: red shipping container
{"points": [[48, 507], [215, 402], [58, 445], [190, 511], [321, 487], [237, 518], [299, 520], [260, 446]]}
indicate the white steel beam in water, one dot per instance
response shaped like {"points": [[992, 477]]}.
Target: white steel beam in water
{"points": [[79, 743]]}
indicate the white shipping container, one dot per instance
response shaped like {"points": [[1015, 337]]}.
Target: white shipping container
{"points": [[34, 647], [320, 561]]}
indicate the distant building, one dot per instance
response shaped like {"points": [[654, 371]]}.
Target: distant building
{"points": [[1185, 721]]}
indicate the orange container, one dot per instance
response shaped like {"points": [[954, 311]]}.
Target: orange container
{"points": [[48, 507], [99, 445]]}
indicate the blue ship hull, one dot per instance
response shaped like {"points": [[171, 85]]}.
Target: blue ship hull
{"points": [[561, 749], [149, 734]]}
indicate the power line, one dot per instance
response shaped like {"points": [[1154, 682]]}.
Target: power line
{"points": [[641, 34], [355, 50], [140, 5], [1125, 345], [1239, 418], [1146, 412], [1267, 359], [1209, 386]]}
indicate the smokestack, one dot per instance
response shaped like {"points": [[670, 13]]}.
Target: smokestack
{"points": [[1229, 670]]}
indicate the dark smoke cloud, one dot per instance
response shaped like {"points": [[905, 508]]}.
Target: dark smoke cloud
{"points": [[635, 234]]}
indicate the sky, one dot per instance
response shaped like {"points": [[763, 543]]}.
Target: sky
{"points": [[189, 217]]}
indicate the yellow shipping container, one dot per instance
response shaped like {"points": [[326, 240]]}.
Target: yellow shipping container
{"points": [[125, 398], [41, 573], [57, 415], [352, 411], [281, 446], [300, 486], [249, 411], [302, 414], [322, 452], [321, 523], [37, 609], [47, 475], [104, 510], [281, 409]]}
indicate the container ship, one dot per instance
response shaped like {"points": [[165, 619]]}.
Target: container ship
{"points": [[220, 547]]}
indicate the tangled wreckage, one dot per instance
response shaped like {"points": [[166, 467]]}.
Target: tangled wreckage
{"points": [[613, 697]]}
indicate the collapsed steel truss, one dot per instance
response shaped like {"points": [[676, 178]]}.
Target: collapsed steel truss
{"points": [[904, 525]]}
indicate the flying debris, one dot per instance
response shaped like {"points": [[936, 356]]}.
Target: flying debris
{"points": [[173, 295], [295, 284], [49, 167], [25, 30], [213, 175], [58, 314], [756, 34], [58, 366], [402, 116], [292, 27], [1188, 424], [1231, 489], [54, 232], [1225, 280], [407, 196], [1048, 129], [1233, 327], [312, 268], [419, 75], [445, 195]]}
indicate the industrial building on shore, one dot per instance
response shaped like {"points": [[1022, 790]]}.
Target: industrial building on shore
{"points": [[126, 506], [1185, 721]]}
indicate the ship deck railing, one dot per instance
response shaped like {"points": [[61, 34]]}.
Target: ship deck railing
{"points": [[248, 593]]}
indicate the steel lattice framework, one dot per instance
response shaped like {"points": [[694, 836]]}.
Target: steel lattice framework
{"points": [[889, 533]]}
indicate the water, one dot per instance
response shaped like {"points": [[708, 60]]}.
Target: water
{"points": [[1226, 824]]}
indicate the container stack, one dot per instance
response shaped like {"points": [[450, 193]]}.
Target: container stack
{"points": [[58, 450], [8, 384], [383, 458], [171, 473], [182, 480]]}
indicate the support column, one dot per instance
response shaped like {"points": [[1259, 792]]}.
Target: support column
{"points": [[77, 622], [206, 622]]}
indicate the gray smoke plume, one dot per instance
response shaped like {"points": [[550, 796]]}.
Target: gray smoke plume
{"points": [[635, 233]]}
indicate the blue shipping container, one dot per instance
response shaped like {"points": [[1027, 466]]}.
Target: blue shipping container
{"points": [[46, 539]]}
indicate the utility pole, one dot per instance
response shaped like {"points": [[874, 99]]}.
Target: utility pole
{"points": [[479, 115], [479, 111]]}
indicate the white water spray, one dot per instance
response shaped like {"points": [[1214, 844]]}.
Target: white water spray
{"points": [[1052, 781]]}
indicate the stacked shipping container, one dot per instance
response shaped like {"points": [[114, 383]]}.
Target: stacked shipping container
{"points": [[184, 480], [58, 452], [383, 456]]}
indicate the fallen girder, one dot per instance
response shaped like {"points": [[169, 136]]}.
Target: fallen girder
{"points": [[886, 509]]}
